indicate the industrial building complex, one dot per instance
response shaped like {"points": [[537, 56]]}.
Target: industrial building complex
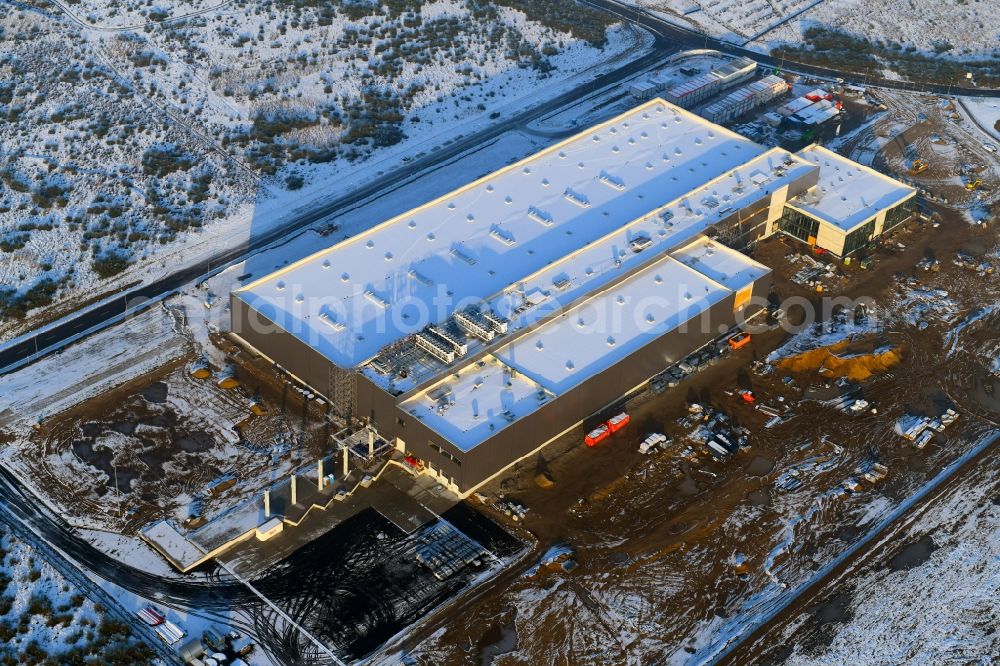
{"points": [[474, 329]]}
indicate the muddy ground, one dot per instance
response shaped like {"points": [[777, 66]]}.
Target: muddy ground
{"points": [[675, 554], [170, 445]]}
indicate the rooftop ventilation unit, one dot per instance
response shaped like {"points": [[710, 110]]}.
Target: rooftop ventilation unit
{"points": [[475, 325], [575, 198], [457, 345], [436, 349], [502, 236], [421, 278], [380, 366], [496, 322], [640, 243], [376, 299], [458, 254], [330, 321], [612, 181], [540, 216]]}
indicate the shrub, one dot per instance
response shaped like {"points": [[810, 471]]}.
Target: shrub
{"points": [[165, 159], [109, 265], [39, 604]]}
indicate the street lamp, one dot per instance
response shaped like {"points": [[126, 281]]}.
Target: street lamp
{"points": [[118, 491]]}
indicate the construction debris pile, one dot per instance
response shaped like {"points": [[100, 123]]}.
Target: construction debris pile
{"points": [[922, 429]]}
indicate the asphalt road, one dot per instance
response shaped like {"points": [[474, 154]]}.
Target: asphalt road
{"points": [[20, 507], [93, 591]]}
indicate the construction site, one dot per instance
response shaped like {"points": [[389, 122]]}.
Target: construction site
{"points": [[670, 517]]}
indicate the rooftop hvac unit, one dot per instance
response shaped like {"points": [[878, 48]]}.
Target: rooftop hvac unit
{"points": [[458, 345], [458, 254], [612, 181], [575, 198], [496, 322], [475, 326], [502, 236], [376, 299], [436, 349], [540, 216], [640, 243], [421, 278], [329, 320], [380, 366]]}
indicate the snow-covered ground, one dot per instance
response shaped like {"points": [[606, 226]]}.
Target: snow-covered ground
{"points": [[939, 610], [971, 28], [986, 112], [145, 148], [88, 369], [43, 616]]}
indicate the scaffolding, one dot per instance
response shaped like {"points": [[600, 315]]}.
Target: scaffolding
{"points": [[343, 392]]}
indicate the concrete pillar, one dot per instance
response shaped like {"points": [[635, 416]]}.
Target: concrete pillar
{"points": [[371, 442], [346, 470], [267, 503], [319, 475], [295, 495]]}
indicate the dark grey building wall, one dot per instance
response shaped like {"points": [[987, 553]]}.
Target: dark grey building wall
{"points": [[280, 346]]}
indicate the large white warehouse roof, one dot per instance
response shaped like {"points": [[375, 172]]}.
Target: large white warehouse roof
{"points": [[356, 297]]}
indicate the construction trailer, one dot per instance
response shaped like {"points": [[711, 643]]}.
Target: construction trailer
{"points": [[746, 98], [700, 88], [537, 303]]}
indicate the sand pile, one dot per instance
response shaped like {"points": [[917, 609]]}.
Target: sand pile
{"points": [[842, 359]]}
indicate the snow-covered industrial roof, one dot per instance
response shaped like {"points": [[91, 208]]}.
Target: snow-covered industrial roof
{"points": [[722, 264], [592, 267], [356, 297], [602, 330], [847, 194], [478, 399]]}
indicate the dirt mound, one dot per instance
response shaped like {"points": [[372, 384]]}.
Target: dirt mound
{"points": [[851, 359]]}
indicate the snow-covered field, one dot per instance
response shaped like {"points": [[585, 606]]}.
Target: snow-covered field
{"points": [[728, 19], [971, 28], [136, 140], [42, 616], [986, 112], [911, 610], [955, 27]]}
